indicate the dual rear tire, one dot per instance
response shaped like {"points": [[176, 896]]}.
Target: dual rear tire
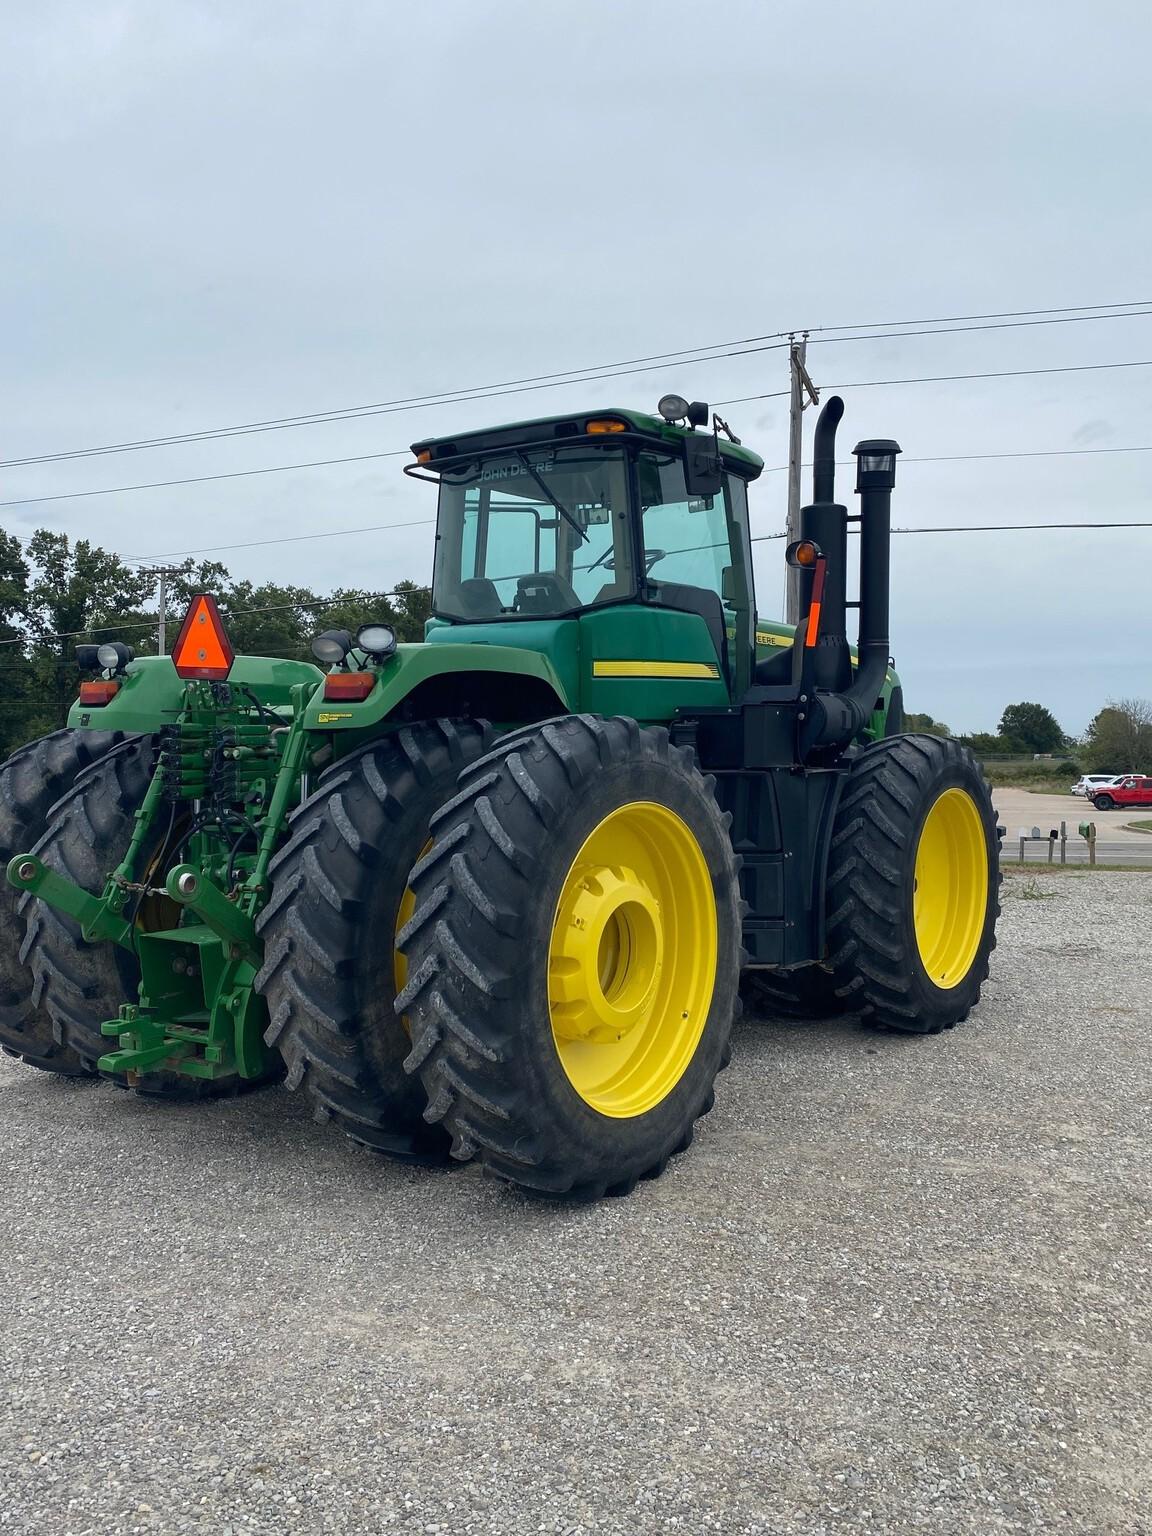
{"points": [[31, 781], [573, 957], [568, 950], [912, 894]]}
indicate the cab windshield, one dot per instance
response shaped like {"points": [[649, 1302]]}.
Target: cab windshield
{"points": [[535, 532]]}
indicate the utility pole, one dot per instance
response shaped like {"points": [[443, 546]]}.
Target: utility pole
{"points": [[801, 386], [162, 573]]}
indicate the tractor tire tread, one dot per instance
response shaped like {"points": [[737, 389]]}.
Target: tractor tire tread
{"points": [[81, 985], [32, 780], [466, 957], [871, 964], [339, 844]]}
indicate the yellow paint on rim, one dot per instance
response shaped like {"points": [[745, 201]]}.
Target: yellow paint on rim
{"points": [[655, 669], [403, 912], [950, 901], [632, 959]]}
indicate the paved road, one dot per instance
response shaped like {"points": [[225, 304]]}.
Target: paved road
{"points": [[1115, 844], [896, 1286]]}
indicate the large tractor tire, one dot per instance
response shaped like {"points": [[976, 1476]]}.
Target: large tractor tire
{"points": [[913, 885], [31, 781], [809, 993], [339, 893], [80, 985], [574, 956]]}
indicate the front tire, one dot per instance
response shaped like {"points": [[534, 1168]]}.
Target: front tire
{"points": [[1104, 803], [339, 893], [913, 884], [574, 957]]}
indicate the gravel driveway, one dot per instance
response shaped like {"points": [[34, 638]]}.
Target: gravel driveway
{"points": [[897, 1285]]}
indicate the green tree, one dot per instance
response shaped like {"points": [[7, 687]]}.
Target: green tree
{"points": [[17, 678], [985, 744], [1033, 727], [78, 592], [59, 594], [924, 725], [1119, 739]]}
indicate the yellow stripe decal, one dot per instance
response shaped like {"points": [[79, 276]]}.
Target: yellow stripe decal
{"points": [[655, 669]]}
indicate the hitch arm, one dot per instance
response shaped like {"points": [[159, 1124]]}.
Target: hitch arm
{"points": [[188, 886], [97, 917]]}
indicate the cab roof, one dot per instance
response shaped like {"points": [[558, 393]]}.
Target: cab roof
{"points": [[431, 451]]}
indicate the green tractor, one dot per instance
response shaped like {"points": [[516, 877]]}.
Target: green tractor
{"points": [[494, 896]]}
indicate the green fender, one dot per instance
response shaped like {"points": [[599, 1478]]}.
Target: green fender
{"points": [[478, 675], [151, 694]]}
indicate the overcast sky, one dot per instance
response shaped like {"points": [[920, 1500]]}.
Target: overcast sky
{"points": [[217, 213]]}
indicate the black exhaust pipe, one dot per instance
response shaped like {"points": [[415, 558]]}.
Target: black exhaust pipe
{"points": [[824, 450], [825, 522], [838, 713], [875, 478]]}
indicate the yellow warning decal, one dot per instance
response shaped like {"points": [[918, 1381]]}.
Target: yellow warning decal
{"points": [[330, 716], [704, 669]]}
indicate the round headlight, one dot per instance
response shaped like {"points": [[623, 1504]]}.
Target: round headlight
{"points": [[673, 407], [113, 655], [376, 639], [332, 646]]}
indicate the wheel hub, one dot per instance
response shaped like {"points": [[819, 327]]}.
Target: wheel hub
{"points": [[607, 956]]}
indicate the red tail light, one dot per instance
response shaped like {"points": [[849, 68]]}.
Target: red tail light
{"points": [[349, 687], [98, 693]]}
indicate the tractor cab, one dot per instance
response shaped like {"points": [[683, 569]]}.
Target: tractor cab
{"points": [[566, 517]]}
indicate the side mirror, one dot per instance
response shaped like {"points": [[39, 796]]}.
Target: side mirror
{"points": [[703, 470]]}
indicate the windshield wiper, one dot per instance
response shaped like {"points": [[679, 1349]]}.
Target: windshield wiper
{"points": [[549, 496]]}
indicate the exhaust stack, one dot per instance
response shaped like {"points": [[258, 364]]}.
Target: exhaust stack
{"points": [[843, 703], [825, 522]]}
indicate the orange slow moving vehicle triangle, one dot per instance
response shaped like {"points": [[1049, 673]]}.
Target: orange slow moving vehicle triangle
{"points": [[203, 649]]}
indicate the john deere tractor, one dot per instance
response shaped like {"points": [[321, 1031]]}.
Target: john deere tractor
{"points": [[492, 896]]}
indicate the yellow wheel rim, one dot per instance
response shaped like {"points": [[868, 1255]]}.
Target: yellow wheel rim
{"points": [[950, 901], [632, 960], [403, 912]]}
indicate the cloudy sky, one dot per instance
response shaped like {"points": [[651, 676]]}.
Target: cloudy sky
{"points": [[217, 213]]}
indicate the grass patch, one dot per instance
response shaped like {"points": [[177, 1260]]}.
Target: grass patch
{"points": [[1025, 890], [1139, 826]]}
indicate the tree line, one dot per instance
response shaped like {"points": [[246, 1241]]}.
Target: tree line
{"points": [[1118, 738], [56, 593]]}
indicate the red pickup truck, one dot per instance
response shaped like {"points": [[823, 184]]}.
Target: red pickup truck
{"points": [[1136, 789]]}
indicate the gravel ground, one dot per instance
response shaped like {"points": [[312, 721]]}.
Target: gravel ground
{"points": [[896, 1286]]}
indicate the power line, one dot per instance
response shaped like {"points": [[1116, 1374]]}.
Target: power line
{"points": [[292, 538], [387, 408], [959, 330], [275, 469], [235, 474], [956, 458], [593, 372], [1003, 314], [759, 538], [938, 378]]}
